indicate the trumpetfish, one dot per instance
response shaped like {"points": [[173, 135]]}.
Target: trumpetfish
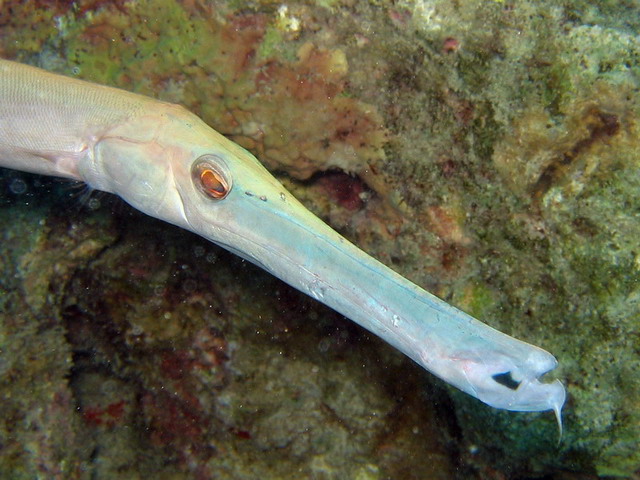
{"points": [[166, 162]]}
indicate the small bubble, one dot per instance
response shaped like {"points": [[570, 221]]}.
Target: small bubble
{"points": [[136, 330], [199, 251], [211, 257], [324, 345], [93, 203], [189, 285], [18, 186], [110, 387]]}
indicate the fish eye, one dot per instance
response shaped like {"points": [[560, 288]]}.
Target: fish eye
{"points": [[210, 175]]}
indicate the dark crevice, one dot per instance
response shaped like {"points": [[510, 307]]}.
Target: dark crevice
{"points": [[601, 126]]}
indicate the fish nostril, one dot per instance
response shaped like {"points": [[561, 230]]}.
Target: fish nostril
{"points": [[506, 380]]}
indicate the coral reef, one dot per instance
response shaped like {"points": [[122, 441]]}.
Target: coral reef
{"points": [[486, 150]]}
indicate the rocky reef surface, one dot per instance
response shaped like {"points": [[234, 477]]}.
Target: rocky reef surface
{"points": [[485, 150]]}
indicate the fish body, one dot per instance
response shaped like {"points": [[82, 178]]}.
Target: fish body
{"points": [[166, 162]]}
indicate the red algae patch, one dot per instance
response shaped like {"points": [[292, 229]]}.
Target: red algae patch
{"points": [[345, 190], [287, 100], [306, 121]]}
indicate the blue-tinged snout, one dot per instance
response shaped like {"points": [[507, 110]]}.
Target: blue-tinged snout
{"points": [[228, 197]]}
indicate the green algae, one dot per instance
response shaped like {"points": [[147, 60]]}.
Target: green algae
{"points": [[38, 429]]}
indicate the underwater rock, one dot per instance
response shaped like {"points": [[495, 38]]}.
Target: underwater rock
{"points": [[494, 145]]}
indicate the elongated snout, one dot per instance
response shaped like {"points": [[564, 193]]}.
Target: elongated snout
{"points": [[169, 164], [229, 198]]}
